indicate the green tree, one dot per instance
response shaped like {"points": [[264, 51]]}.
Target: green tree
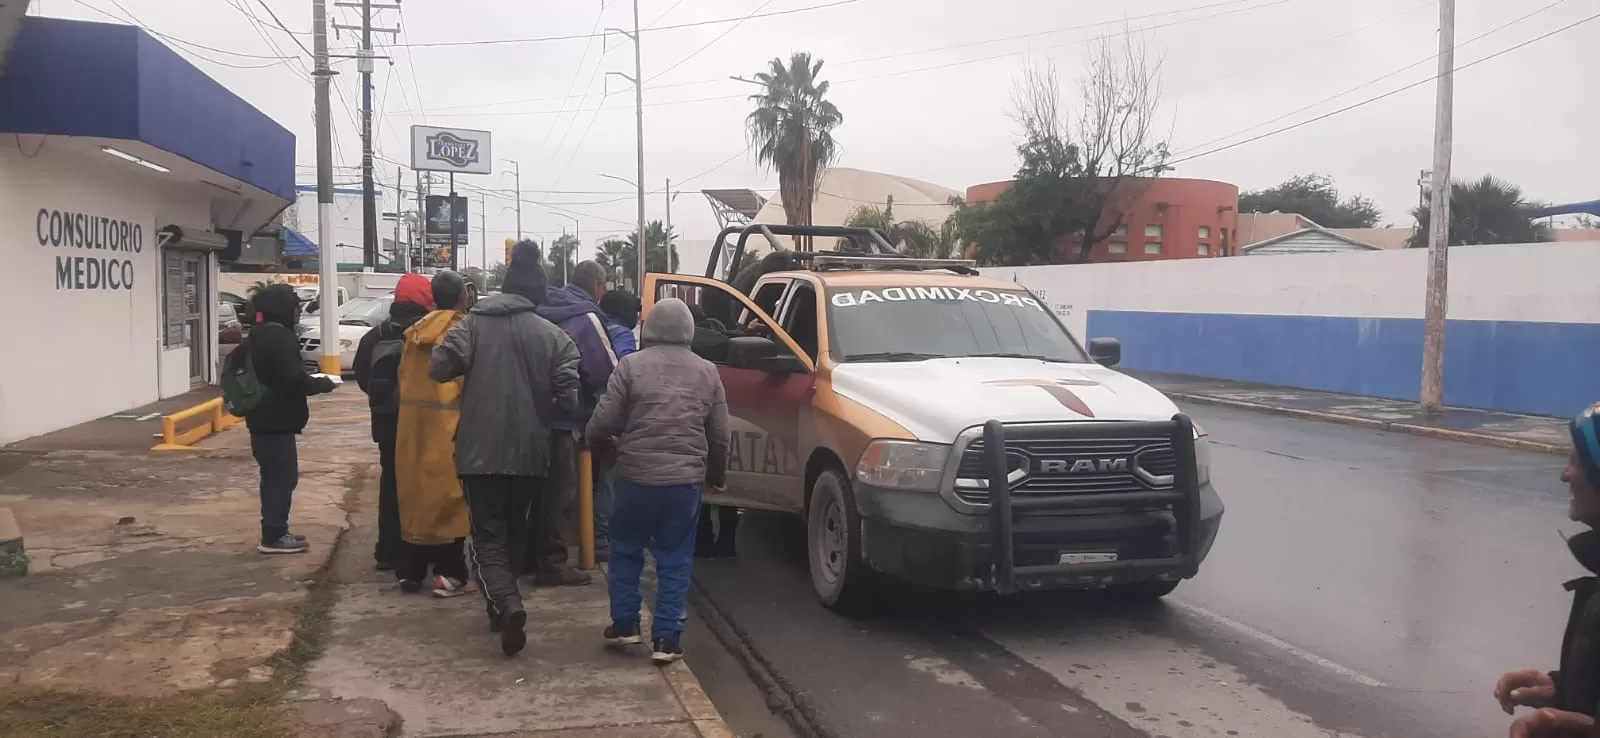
{"points": [[791, 129], [611, 256], [562, 258], [478, 277], [1315, 197], [913, 237], [660, 252], [497, 275], [1074, 177], [1483, 211]]}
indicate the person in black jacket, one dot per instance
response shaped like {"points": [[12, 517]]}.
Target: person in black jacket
{"points": [[1569, 699], [281, 414], [377, 370]]}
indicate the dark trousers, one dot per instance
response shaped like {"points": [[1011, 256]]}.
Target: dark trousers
{"points": [[388, 548], [551, 518], [447, 559], [661, 520], [715, 539], [498, 506], [280, 473]]}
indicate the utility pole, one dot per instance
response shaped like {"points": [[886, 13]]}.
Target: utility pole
{"points": [[364, 58], [1433, 324], [483, 235], [455, 233], [638, 105], [401, 251], [420, 226], [328, 256], [668, 226], [516, 172]]}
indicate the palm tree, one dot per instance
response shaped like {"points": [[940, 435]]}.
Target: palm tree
{"points": [[914, 238], [1488, 210], [792, 130], [612, 254], [563, 257], [660, 252]]}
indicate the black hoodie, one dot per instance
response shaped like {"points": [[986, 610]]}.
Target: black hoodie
{"points": [[275, 352], [1578, 681]]}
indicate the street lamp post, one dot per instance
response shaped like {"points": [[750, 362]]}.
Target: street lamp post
{"points": [[577, 233], [516, 172], [638, 106]]}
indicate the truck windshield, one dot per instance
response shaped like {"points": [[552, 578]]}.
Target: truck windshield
{"points": [[916, 323]]}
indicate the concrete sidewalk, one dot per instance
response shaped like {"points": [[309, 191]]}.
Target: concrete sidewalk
{"points": [[1526, 432], [145, 583]]}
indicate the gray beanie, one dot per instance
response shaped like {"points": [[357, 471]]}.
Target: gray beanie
{"points": [[669, 321]]}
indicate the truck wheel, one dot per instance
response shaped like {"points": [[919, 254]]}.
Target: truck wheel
{"points": [[1141, 591], [833, 545]]}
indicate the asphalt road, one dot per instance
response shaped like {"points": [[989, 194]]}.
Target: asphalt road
{"points": [[1364, 584]]}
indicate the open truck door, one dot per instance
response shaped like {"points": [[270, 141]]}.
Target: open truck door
{"points": [[768, 380]]}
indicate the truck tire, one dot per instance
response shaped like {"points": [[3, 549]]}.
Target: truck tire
{"points": [[840, 578], [1142, 591]]}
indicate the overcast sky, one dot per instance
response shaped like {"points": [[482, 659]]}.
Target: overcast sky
{"points": [[924, 86]]}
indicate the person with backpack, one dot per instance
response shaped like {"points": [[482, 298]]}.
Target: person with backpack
{"points": [[377, 370], [576, 309], [433, 510], [267, 367]]}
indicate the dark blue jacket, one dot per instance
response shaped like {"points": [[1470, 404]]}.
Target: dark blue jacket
{"points": [[577, 314], [622, 339]]}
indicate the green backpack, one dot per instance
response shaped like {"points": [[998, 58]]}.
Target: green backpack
{"points": [[241, 390]]}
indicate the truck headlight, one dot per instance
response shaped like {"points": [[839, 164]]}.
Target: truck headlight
{"points": [[1202, 455], [907, 465]]}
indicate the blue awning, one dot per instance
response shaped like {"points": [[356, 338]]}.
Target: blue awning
{"points": [[1592, 208], [102, 80], [296, 245]]}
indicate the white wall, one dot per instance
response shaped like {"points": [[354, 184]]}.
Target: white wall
{"points": [[1552, 282], [79, 354]]}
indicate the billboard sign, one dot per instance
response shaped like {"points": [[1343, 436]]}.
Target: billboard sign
{"points": [[439, 217], [457, 150]]}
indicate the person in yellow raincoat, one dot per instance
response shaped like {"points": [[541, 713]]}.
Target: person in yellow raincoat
{"points": [[433, 512]]}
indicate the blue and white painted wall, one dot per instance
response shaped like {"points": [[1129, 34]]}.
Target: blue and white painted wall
{"points": [[1523, 334]]}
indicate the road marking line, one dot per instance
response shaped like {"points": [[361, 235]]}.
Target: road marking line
{"points": [[1278, 643], [151, 416]]}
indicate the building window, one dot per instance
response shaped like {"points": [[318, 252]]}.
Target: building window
{"points": [[1122, 230], [1119, 247], [1205, 231], [1205, 249], [1152, 247], [1152, 231]]}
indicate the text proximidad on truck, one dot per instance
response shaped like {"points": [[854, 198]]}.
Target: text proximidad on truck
{"points": [[938, 426]]}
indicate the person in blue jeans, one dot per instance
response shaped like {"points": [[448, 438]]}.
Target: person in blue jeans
{"points": [[665, 413]]}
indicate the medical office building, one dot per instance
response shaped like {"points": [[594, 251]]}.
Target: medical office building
{"points": [[127, 176]]}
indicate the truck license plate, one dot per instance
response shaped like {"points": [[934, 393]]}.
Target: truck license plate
{"points": [[1089, 558]]}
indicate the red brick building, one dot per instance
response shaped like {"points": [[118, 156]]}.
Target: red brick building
{"points": [[1162, 218]]}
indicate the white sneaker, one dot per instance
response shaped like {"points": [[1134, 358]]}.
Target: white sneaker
{"points": [[444, 586]]}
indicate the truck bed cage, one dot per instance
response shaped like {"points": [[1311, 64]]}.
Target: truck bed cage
{"points": [[867, 241], [828, 262]]}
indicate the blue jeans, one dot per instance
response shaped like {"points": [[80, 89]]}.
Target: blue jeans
{"points": [[663, 520]]}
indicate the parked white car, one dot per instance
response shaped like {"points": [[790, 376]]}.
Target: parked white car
{"points": [[356, 317]]}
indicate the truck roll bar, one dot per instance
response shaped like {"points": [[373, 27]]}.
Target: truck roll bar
{"points": [[868, 240]]}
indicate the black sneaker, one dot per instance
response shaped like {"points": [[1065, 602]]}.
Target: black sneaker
{"points": [[512, 636], [410, 586], [666, 651], [285, 544], [623, 634]]}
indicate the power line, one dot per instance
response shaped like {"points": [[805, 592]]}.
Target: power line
{"points": [[571, 84], [664, 14], [574, 37], [412, 65], [913, 70], [1376, 98], [712, 42], [1371, 82]]}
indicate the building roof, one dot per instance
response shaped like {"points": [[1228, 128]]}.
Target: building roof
{"points": [[1591, 207], [1383, 238], [741, 201], [118, 83], [1309, 234], [1256, 227], [842, 190]]}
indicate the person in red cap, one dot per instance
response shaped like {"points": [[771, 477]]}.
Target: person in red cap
{"points": [[377, 370]]}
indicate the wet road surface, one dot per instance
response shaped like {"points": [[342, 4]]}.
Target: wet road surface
{"points": [[1364, 584]]}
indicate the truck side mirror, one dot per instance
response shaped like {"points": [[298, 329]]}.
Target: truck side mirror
{"points": [[1105, 351], [761, 354]]}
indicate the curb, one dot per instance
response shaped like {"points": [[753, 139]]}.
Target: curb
{"points": [[691, 696], [1413, 429]]}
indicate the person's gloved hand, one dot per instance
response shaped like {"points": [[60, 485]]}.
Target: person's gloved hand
{"points": [[1552, 723], [1526, 687]]}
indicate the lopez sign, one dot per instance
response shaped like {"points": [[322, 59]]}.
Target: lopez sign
{"points": [[108, 239], [457, 150]]}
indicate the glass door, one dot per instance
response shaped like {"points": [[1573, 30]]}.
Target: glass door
{"points": [[195, 320]]}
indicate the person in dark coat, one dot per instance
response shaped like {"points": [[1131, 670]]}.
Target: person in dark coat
{"points": [[1567, 700], [281, 414], [413, 298], [521, 374]]}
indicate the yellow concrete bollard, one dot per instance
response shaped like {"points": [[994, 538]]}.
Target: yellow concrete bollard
{"points": [[585, 509]]}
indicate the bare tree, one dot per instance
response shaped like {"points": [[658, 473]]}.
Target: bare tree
{"points": [[1093, 165]]}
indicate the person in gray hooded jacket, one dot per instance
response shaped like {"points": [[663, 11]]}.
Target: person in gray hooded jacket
{"points": [[521, 371], [666, 411]]}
